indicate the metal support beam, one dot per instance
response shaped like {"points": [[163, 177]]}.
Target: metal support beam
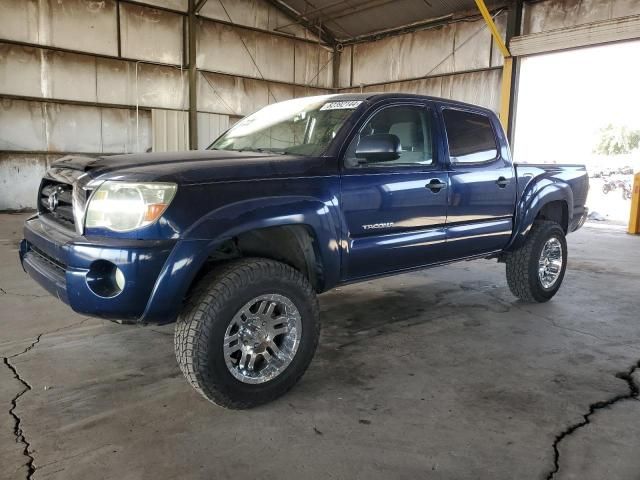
{"points": [[199, 5], [118, 29], [336, 67], [507, 69], [634, 216], [514, 20], [193, 77], [505, 93], [484, 11], [422, 77], [514, 28]]}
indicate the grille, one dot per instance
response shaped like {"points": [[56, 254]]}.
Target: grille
{"points": [[58, 195]]}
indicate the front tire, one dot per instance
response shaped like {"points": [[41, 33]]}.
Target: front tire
{"points": [[535, 271], [248, 332]]}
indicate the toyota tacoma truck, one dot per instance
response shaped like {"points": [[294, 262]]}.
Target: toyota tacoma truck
{"points": [[235, 242]]}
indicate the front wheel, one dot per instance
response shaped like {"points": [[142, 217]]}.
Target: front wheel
{"points": [[248, 332], [535, 271]]}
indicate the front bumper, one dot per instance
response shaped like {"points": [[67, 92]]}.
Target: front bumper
{"points": [[60, 261]]}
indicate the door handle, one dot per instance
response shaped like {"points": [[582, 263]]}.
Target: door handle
{"points": [[502, 182], [435, 185]]}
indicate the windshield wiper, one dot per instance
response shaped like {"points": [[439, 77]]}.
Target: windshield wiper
{"points": [[262, 150], [259, 150]]}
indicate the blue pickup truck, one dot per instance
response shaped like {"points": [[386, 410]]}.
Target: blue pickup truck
{"points": [[235, 242]]}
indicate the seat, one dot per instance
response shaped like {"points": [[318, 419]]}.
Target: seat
{"points": [[411, 141]]}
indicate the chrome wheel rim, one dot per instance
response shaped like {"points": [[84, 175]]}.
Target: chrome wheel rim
{"points": [[550, 263], [262, 338]]}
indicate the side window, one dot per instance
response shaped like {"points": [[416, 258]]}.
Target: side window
{"points": [[411, 125], [471, 137]]}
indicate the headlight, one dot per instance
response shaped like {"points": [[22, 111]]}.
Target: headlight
{"points": [[124, 206]]}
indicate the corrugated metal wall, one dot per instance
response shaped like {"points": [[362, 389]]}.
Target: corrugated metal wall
{"points": [[458, 60], [170, 131], [555, 25], [85, 76], [558, 14], [110, 76]]}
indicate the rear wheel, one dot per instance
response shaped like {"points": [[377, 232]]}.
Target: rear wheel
{"points": [[248, 332], [535, 271]]}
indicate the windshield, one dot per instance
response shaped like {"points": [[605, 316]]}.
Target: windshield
{"points": [[303, 126]]}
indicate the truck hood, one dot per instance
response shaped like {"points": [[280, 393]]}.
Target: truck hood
{"points": [[198, 166]]}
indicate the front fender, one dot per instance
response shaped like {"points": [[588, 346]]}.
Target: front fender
{"points": [[320, 217], [538, 193], [228, 221]]}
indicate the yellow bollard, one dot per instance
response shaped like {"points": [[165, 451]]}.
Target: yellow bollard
{"points": [[634, 218]]}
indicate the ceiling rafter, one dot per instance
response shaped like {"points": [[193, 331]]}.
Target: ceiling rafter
{"points": [[314, 27], [353, 21]]}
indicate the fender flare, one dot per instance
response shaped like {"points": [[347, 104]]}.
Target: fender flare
{"points": [[535, 196], [207, 234]]}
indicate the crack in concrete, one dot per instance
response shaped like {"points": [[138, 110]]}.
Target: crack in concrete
{"points": [[27, 295], [634, 392], [18, 431], [627, 376], [166, 334]]}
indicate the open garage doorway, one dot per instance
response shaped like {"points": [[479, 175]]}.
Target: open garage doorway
{"points": [[583, 106]]}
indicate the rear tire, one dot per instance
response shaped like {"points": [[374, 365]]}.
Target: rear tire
{"points": [[529, 277], [219, 317]]}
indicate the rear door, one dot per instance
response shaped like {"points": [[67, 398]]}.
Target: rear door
{"points": [[482, 193], [395, 211]]}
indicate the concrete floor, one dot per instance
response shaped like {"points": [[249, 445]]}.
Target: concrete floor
{"points": [[439, 374]]}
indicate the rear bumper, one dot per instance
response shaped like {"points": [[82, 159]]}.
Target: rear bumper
{"points": [[61, 260], [578, 219]]}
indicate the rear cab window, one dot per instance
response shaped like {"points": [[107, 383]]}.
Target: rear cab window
{"points": [[470, 137]]}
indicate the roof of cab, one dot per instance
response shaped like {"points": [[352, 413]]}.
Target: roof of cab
{"points": [[379, 96]]}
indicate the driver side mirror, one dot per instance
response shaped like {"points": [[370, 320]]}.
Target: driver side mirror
{"points": [[380, 147]]}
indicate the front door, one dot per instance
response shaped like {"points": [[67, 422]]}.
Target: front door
{"points": [[395, 211]]}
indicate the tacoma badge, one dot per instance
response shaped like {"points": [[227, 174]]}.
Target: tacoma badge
{"points": [[378, 225]]}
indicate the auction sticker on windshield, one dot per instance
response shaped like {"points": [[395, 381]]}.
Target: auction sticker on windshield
{"points": [[345, 105]]}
